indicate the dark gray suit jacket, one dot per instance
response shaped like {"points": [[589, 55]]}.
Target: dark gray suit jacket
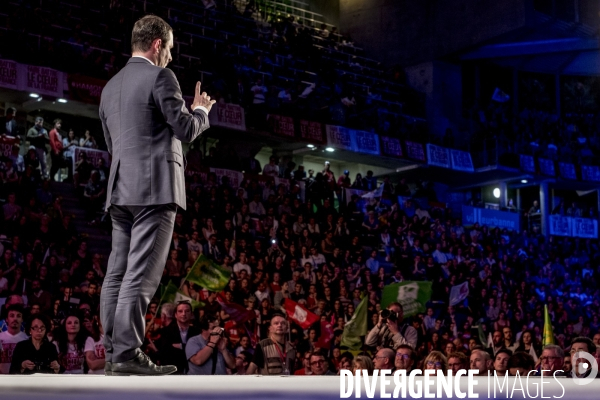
{"points": [[145, 119]]}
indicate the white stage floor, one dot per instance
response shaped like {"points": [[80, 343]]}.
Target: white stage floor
{"points": [[86, 387]]}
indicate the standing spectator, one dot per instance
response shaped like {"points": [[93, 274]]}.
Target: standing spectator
{"points": [[175, 336], [88, 141], [271, 169], [274, 355], [35, 354], [207, 352], [56, 150], [12, 336], [69, 144], [38, 137]]}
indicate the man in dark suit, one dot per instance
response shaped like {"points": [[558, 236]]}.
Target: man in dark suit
{"points": [[144, 119], [175, 336]]}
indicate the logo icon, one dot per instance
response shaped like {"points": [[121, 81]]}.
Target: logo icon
{"points": [[582, 363]]}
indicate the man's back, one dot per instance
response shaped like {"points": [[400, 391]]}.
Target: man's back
{"points": [[144, 120]]}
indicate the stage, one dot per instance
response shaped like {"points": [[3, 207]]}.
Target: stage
{"points": [[89, 387]]}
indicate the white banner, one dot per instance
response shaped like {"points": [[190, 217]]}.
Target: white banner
{"points": [[93, 156], [458, 293], [438, 156], [339, 137], [461, 160]]}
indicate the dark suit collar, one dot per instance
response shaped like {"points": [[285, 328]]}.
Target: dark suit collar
{"points": [[138, 60]]}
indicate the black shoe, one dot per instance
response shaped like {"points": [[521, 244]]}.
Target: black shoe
{"points": [[108, 368], [141, 365]]}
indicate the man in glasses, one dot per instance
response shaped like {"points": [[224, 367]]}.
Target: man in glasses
{"points": [[552, 358], [405, 358], [306, 364], [457, 361], [319, 364], [384, 359], [241, 362]]}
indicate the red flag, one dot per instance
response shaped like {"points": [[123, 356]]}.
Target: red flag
{"points": [[237, 312], [327, 334], [299, 314]]}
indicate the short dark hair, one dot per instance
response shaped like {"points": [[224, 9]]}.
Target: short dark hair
{"points": [[521, 360], [57, 121], [582, 339], [503, 350], [40, 317], [16, 307], [184, 302], [146, 30]]}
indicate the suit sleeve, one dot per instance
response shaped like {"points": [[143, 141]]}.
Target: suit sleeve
{"points": [[167, 94], [107, 137]]}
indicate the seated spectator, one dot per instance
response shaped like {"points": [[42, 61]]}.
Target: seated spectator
{"points": [[35, 354]]}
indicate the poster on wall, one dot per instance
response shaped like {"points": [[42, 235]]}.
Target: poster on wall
{"points": [[281, 125], [93, 155], [366, 142], [9, 74], [339, 137], [438, 156], [527, 163], [461, 161], [391, 146], [590, 173], [547, 167], [415, 151], [43, 80], [567, 170], [228, 116], [312, 131]]}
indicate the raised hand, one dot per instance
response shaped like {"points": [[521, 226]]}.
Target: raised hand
{"points": [[202, 99]]}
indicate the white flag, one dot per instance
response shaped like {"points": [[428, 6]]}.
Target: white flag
{"points": [[458, 293]]}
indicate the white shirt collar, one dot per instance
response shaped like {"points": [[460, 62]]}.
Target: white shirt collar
{"points": [[150, 61]]}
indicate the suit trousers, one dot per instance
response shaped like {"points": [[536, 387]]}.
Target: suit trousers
{"points": [[140, 244]]}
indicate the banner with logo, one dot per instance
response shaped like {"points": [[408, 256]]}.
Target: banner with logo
{"points": [[339, 137], [85, 89], [547, 167], [585, 228], [415, 151], [560, 226], [9, 74], [491, 218], [391, 146], [590, 173], [312, 131], [438, 156], [227, 116], [281, 125], [413, 295], [43, 80], [461, 160], [527, 163], [93, 155], [366, 142], [567, 170]]}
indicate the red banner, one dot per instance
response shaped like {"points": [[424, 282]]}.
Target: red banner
{"points": [[85, 89], [299, 314], [391, 146], [312, 132], [6, 145], [415, 151], [282, 125]]}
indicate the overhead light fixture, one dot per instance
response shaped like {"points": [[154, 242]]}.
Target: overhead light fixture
{"points": [[310, 146], [524, 181], [39, 98], [330, 149], [497, 193], [34, 95], [61, 100]]}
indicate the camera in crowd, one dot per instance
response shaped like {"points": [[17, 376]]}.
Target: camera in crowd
{"points": [[220, 333], [42, 366], [388, 315]]}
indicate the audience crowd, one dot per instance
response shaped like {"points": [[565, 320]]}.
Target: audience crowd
{"points": [[283, 243]]}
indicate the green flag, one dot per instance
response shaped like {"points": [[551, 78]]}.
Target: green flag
{"points": [[356, 327], [171, 294], [548, 332], [413, 295], [209, 274]]}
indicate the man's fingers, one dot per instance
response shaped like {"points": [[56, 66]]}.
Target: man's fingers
{"points": [[207, 97], [204, 94], [212, 102], [197, 87]]}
